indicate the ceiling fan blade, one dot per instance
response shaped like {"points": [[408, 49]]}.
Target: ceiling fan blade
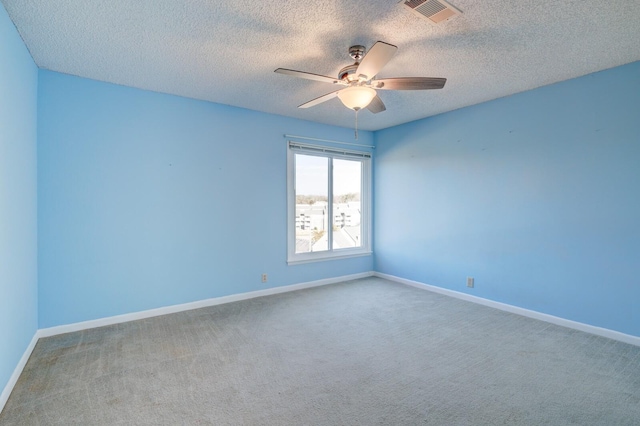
{"points": [[319, 100], [409, 83], [376, 58], [307, 75], [376, 105]]}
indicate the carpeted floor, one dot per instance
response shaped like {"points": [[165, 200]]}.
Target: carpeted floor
{"points": [[365, 352]]}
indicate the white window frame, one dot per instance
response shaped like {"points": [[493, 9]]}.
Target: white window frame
{"points": [[365, 199]]}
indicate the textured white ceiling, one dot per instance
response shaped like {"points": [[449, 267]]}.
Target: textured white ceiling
{"points": [[226, 51]]}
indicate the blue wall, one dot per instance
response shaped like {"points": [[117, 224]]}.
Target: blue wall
{"points": [[18, 197], [536, 195], [148, 200]]}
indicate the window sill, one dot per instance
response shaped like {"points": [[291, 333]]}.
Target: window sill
{"points": [[324, 257]]}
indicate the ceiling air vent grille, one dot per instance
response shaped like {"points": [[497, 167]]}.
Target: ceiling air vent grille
{"points": [[434, 11]]}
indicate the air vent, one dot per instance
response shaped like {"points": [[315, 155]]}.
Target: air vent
{"points": [[434, 11]]}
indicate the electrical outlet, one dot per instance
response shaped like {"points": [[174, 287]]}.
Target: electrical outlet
{"points": [[470, 282], [264, 278]]}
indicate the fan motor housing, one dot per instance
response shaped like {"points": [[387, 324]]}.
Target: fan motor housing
{"points": [[348, 73]]}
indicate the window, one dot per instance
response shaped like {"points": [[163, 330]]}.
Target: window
{"points": [[328, 203]]}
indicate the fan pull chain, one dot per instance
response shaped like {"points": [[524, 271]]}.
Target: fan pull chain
{"points": [[356, 131]]}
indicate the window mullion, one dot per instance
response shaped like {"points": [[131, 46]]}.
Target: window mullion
{"points": [[330, 207]]}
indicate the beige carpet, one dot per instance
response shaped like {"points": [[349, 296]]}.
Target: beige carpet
{"points": [[365, 352]]}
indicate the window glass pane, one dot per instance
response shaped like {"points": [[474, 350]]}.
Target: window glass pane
{"points": [[347, 205], [312, 191]]}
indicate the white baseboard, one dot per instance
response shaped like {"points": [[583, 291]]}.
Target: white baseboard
{"points": [[599, 331], [101, 322], [4, 396]]}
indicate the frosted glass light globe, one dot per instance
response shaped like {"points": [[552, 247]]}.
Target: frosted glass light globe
{"points": [[357, 97]]}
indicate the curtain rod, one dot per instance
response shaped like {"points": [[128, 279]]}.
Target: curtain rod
{"points": [[328, 140]]}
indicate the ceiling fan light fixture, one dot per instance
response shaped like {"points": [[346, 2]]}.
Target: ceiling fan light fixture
{"points": [[356, 97]]}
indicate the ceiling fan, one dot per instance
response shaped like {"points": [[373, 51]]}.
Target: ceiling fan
{"points": [[360, 91]]}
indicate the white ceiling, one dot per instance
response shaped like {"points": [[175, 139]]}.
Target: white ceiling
{"points": [[226, 51]]}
